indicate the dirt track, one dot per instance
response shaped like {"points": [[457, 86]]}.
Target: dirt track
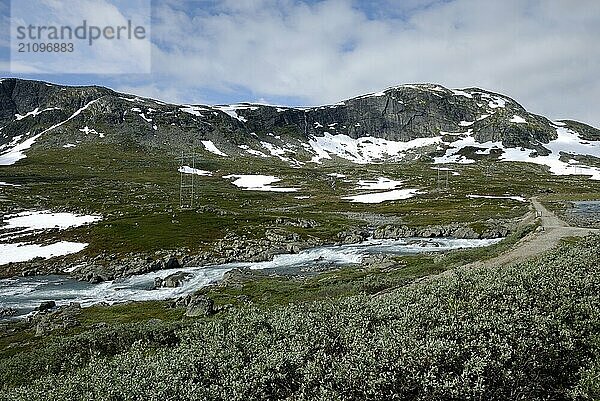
{"points": [[547, 236]]}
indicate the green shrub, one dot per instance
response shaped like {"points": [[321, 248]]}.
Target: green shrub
{"points": [[524, 332]]}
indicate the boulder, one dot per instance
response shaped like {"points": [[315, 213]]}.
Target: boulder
{"points": [[46, 306], [62, 318], [200, 305], [172, 281], [172, 263]]}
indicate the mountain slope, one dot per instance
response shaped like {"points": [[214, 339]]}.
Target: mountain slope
{"points": [[411, 160], [400, 123]]}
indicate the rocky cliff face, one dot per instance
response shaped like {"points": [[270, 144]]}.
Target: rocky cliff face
{"points": [[407, 112], [72, 115]]}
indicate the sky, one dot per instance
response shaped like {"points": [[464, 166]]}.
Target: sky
{"points": [[542, 53]]}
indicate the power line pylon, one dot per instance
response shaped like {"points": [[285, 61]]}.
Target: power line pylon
{"points": [[186, 188]]}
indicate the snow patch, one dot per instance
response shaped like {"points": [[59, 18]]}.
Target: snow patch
{"points": [[190, 170], [16, 153], [22, 252], [39, 220], [362, 150], [458, 92], [34, 113], [231, 110], [276, 151], [193, 110], [87, 130], [135, 99], [380, 183], [497, 102], [256, 182], [567, 142], [518, 119], [379, 197], [210, 146], [251, 151]]}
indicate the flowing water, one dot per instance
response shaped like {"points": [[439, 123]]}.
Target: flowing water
{"points": [[26, 293]]}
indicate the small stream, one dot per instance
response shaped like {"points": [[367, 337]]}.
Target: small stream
{"points": [[26, 293]]}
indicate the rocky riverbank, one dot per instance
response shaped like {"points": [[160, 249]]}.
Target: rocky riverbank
{"points": [[235, 248]]}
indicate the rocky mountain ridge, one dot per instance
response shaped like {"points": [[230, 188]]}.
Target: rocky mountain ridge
{"points": [[398, 123]]}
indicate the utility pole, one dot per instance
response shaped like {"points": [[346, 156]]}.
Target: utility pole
{"points": [[442, 179]]}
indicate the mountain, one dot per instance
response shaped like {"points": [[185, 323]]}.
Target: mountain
{"points": [[90, 179], [399, 123]]}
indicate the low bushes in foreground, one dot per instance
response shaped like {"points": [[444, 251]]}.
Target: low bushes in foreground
{"points": [[524, 332]]}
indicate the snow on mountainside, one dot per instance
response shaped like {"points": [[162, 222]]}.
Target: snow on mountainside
{"points": [[400, 123], [560, 159]]}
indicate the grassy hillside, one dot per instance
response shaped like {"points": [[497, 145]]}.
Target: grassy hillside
{"points": [[137, 193], [525, 332]]}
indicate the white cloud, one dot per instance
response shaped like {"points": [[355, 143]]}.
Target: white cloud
{"points": [[103, 57], [153, 91], [541, 53]]}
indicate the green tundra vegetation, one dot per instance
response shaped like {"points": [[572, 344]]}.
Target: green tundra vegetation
{"points": [[137, 194], [528, 331]]}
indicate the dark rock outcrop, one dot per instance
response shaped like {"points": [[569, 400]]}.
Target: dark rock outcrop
{"points": [[198, 305], [172, 281], [172, 263], [46, 305], [491, 229], [64, 317]]}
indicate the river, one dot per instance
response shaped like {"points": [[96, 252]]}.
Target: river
{"points": [[26, 293]]}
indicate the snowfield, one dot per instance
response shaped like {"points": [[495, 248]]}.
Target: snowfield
{"points": [[258, 183], [567, 142], [40, 220], [379, 197], [210, 146], [363, 150]]}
